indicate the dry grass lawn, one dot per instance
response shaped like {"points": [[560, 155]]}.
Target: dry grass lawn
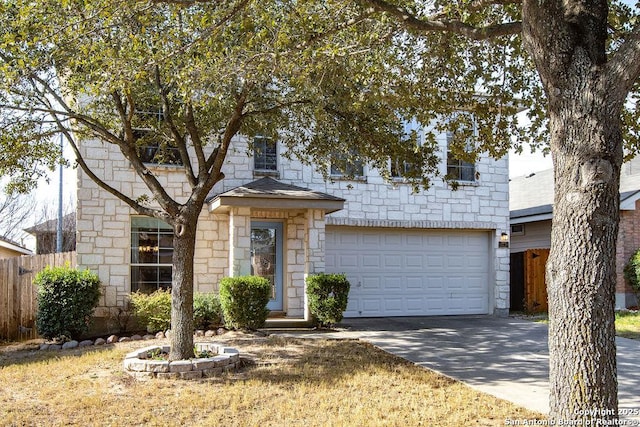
{"points": [[628, 324], [285, 382]]}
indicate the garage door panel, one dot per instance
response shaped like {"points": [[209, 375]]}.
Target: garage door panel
{"points": [[392, 305], [371, 260], [392, 283], [435, 261], [396, 272], [435, 283], [414, 261], [414, 283], [455, 261], [393, 261], [370, 284], [392, 240]]}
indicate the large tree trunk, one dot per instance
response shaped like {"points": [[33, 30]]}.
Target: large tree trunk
{"points": [[184, 242], [567, 42], [581, 268]]}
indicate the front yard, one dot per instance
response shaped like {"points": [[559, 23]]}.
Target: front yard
{"points": [[284, 382], [627, 323]]}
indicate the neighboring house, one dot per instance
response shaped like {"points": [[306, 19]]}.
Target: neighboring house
{"points": [[431, 253], [46, 234], [10, 249], [531, 204]]}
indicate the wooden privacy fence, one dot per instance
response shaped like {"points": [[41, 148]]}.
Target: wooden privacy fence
{"points": [[18, 303]]}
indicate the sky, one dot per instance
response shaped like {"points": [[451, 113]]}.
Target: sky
{"points": [[527, 163]]}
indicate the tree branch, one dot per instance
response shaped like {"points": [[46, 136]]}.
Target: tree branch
{"points": [[128, 149], [624, 65], [443, 25], [142, 210], [177, 136]]}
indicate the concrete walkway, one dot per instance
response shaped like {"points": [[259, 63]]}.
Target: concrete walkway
{"points": [[505, 357]]}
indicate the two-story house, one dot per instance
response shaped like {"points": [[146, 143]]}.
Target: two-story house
{"points": [[435, 252]]}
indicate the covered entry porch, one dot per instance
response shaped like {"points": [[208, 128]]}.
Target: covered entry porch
{"points": [[277, 231]]}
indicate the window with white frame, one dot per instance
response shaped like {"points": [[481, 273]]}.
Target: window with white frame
{"points": [[265, 154], [151, 146], [457, 168], [404, 165], [151, 254], [347, 166]]}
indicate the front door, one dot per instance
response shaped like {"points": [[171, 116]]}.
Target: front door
{"points": [[266, 258]]}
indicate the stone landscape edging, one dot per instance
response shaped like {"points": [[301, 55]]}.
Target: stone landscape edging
{"points": [[139, 365]]}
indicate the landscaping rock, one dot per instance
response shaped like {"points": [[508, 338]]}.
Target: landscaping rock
{"points": [[210, 333], [221, 331], [124, 339], [54, 347], [85, 343], [112, 339], [160, 335], [136, 337], [44, 346], [100, 341], [199, 333], [180, 366], [148, 337], [70, 344]]}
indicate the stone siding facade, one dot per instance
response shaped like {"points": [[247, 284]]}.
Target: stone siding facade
{"points": [[223, 242]]}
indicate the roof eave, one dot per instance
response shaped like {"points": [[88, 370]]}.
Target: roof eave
{"points": [[222, 204]]}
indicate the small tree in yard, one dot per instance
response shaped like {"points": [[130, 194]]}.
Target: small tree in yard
{"points": [[328, 295], [66, 300]]}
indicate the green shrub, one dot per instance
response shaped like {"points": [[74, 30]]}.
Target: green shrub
{"points": [[632, 272], [327, 295], [206, 311], [66, 300], [244, 301], [153, 310]]}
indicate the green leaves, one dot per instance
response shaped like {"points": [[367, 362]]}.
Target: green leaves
{"points": [[66, 300]]}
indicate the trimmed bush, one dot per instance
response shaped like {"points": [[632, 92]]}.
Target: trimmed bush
{"points": [[244, 301], [328, 295], [153, 310], [66, 300], [632, 272], [206, 311]]}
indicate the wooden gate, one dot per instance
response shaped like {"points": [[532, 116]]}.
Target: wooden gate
{"points": [[18, 303], [535, 287]]}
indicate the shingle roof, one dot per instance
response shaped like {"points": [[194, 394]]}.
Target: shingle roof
{"points": [[10, 244], [269, 187], [264, 191], [50, 226], [533, 194]]}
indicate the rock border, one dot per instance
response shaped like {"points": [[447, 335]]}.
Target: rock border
{"points": [[113, 339], [139, 365]]}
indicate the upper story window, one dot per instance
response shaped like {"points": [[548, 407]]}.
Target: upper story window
{"points": [[151, 254], [152, 146], [406, 164], [402, 167], [265, 154], [349, 167], [459, 169]]}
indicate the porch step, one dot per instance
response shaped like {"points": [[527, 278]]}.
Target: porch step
{"points": [[285, 323]]}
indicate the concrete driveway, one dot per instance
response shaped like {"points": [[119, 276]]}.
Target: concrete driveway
{"points": [[505, 357]]}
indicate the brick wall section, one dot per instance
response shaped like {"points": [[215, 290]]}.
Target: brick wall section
{"points": [[628, 243], [103, 222]]}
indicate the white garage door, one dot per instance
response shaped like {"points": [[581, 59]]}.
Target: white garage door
{"points": [[400, 272]]}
